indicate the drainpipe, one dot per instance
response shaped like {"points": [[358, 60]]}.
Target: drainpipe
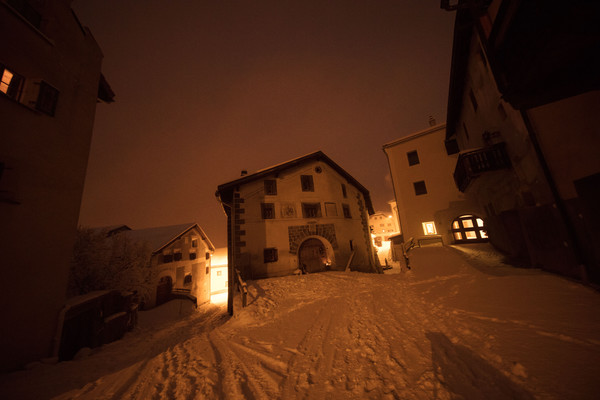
{"points": [[560, 204]]}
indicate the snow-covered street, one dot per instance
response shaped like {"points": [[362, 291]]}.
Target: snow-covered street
{"points": [[458, 325]]}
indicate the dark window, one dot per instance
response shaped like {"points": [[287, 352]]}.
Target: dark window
{"points": [[466, 130], [27, 11], [420, 188], [207, 255], [473, 99], [194, 242], [267, 210], [177, 256], [344, 193], [167, 258], [311, 210], [192, 256], [331, 210], [413, 157], [270, 186], [207, 270], [188, 279], [346, 209], [270, 255], [307, 183], [10, 83], [351, 245], [47, 99]]}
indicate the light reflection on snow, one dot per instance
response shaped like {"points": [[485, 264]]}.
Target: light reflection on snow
{"points": [[219, 298]]}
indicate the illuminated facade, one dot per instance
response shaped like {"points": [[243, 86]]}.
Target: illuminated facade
{"points": [[181, 258], [50, 83], [307, 214], [427, 201], [523, 125]]}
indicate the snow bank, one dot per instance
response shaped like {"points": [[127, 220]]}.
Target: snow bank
{"points": [[454, 326]]}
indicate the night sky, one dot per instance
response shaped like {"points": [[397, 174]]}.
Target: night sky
{"points": [[205, 89]]}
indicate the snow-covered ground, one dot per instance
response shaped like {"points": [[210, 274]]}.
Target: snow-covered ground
{"points": [[459, 324]]}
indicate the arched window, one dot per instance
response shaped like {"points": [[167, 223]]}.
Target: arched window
{"points": [[469, 229]]}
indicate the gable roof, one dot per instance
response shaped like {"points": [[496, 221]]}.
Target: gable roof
{"points": [[160, 237], [225, 191]]}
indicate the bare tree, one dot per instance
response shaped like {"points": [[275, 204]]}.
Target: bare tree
{"points": [[106, 263]]}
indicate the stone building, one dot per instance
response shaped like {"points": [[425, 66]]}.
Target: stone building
{"points": [[306, 213], [523, 122], [50, 83]]}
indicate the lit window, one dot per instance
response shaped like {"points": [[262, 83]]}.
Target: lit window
{"points": [[470, 235], [479, 222], [467, 223], [420, 188], [483, 234], [429, 228], [10, 83], [455, 225], [457, 236], [307, 183]]}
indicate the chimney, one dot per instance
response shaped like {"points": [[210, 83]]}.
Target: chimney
{"points": [[431, 121], [244, 172]]}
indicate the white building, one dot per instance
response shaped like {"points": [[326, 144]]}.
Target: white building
{"points": [[429, 204], [306, 213], [181, 258]]}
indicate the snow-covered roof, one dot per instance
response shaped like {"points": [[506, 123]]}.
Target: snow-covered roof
{"points": [[162, 236], [225, 191]]}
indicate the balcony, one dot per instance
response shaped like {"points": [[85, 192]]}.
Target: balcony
{"points": [[471, 164]]}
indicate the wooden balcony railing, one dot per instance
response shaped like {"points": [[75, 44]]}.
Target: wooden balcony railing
{"points": [[471, 164]]}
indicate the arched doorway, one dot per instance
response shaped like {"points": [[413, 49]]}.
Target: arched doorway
{"points": [[469, 229], [163, 290], [312, 256]]}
